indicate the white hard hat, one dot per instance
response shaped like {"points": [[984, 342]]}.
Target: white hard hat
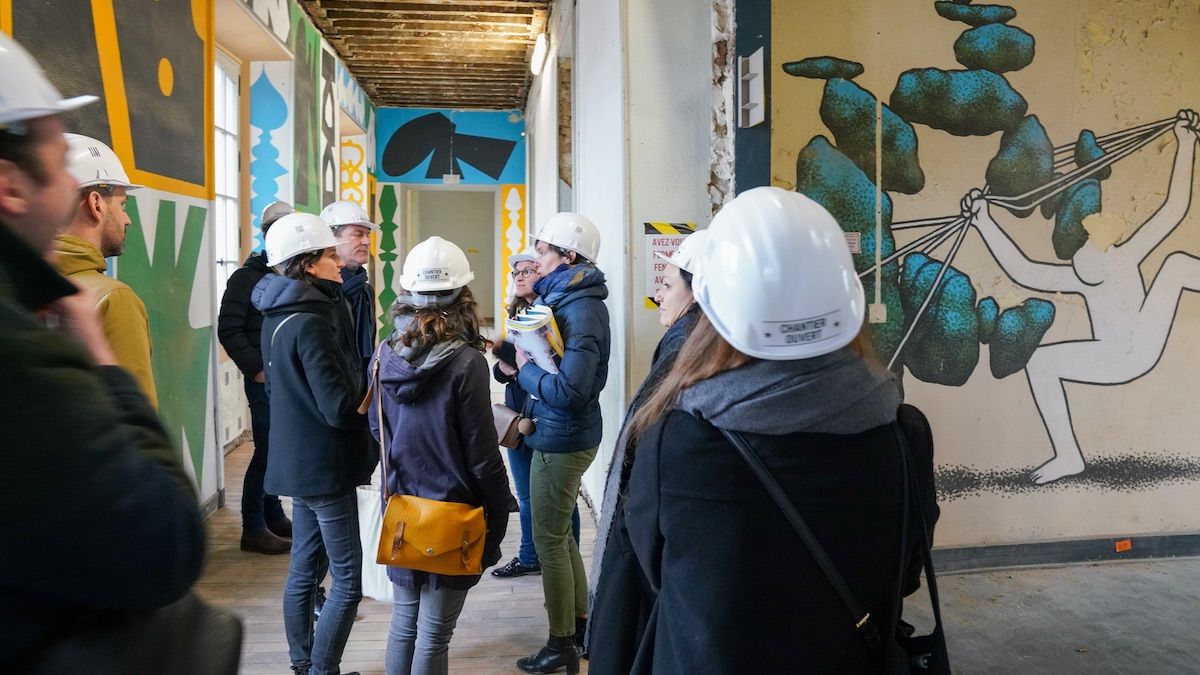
{"points": [[274, 212], [687, 256], [344, 212], [294, 234], [776, 277], [25, 93], [92, 162], [435, 265], [527, 255], [572, 232]]}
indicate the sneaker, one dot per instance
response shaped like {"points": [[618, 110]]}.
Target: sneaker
{"points": [[515, 568]]}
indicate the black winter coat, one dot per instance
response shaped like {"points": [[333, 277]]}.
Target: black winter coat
{"points": [[319, 443], [722, 583], [441, 444], [239, 324]]}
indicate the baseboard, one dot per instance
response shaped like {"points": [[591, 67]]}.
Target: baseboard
{"points": [[591, 506], [244, 437], [978, 558], [213, 503]]}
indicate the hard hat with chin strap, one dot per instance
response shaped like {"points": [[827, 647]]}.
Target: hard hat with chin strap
{"points": [[776, 277], [573, 232], [435, 265], [295, 234], [344, 212], [93, 163], [25, 93]]}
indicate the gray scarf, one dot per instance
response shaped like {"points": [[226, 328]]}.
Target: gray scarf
{"points": [[838, 393]]}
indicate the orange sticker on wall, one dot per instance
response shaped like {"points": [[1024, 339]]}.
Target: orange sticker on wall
{"points": [[1124, 545]]}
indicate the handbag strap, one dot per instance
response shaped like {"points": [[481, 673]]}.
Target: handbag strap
{"points": [[863, 623], [376, 390], [925, 540]]}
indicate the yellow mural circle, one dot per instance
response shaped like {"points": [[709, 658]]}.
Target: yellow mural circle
{"points": [[166, 77]]}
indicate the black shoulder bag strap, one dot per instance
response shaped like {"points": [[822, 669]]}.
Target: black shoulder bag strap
{"points": [[863, 624]]}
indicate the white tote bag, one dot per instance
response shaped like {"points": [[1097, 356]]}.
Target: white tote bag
{"points": [[375, 582]]}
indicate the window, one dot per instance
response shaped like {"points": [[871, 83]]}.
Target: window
{"points": [[226, 162]]}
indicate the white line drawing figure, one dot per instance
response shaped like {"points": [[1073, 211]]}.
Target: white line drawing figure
{"points": [[1130, 324]]}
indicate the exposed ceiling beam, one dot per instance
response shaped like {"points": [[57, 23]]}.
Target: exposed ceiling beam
{"points": [[516, 20]]}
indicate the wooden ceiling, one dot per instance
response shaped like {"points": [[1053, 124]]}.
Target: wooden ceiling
{"points": [[435, 53]]}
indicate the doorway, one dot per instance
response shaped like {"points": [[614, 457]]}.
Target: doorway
{"points": [[466, 215]]}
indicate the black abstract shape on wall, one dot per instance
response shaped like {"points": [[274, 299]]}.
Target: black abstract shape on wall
{"points": [[64, 43], [434, 134], [164, 122]]}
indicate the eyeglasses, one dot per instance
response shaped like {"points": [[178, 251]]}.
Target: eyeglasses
{"points": [[521, 274]]}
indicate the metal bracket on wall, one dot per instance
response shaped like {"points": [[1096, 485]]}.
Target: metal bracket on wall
{"points": [[752, 97]]}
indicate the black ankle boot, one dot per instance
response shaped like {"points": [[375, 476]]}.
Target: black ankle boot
{"points": [[558, 652], [580, 633]]}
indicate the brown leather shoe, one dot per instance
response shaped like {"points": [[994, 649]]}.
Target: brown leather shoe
{"points": [[262, 541]]}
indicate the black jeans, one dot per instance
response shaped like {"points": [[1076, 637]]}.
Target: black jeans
{"points": [[257, 506]]}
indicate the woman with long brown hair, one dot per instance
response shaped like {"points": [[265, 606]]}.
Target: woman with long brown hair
{"points": [[778, 358], [440, 440]]}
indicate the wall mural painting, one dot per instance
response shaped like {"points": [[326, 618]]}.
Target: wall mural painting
{"points": [[420, 146], [156, 60], [165, 80], [156, 64], [63, 36], [351, 98], [329, 125], [306, 113], [389, 229], [166, 241], [274, 15], [512, 234], [270, 142], [352, 178], [935, 321]]}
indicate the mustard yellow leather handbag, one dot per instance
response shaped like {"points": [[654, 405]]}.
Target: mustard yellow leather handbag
{"points": [[425, 534]]}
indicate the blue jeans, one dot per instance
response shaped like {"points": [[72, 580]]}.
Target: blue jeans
{"points": [[518, 461], [258, 507], [423, 622], [322, 526]]}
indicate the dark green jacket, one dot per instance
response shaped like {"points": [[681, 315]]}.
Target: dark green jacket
{"points": [[96, 515]]}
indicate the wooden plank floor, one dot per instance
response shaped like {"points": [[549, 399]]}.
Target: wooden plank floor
{"points": [[502, 621]]}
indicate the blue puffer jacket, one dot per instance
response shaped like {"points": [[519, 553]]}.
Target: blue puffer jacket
{"points": [[565, 405]]}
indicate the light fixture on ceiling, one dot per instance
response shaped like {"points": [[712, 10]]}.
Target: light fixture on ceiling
{"points": [[539, 54]]}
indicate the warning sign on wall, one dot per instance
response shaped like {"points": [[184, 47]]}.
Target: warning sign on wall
{"points": [[661, 238]]}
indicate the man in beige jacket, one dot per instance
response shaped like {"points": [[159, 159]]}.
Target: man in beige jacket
{"points": [[98, 232]]}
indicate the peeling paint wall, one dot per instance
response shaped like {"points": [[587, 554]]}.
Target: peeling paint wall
{"points": [[724, 113], [1114, 372]]}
